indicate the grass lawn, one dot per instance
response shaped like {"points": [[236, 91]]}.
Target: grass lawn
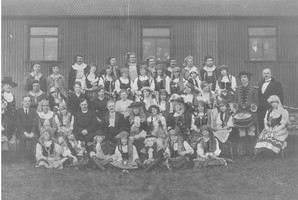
{"points": [[270, 178]]}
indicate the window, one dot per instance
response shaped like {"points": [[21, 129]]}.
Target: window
{"points": [[156, 42], [262, 43], [43, 44]]}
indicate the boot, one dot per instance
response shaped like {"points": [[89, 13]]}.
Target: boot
{"points": [[106, 162], [153, 164], [250, 145], [98, 163], [140, 164], [5, 157]]}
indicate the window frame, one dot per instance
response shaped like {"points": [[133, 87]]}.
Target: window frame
{"points": [[44, 36], [262, 36], [155, 37]]}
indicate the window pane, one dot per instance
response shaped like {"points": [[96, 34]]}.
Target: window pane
{"points": [[269, 49], [163, 49], [36, 49], [262, 31], [44, 31], [51, 49], [148, 48], [156, 32], [255, 49]]}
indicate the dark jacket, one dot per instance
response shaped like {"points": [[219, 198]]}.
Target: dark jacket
{"points": [[100, 106], [86, 121], [120, 123], [274, 88], [73, 102], [27, 123]]}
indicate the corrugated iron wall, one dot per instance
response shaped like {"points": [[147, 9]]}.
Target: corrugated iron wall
{"points": [[233, 51], [98, 38]]}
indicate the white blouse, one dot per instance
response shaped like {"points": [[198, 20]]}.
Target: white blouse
{"points": [[200, 149], [187, 147]]}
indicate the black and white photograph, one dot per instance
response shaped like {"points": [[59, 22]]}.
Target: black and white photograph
{"points": [[149, 99]]}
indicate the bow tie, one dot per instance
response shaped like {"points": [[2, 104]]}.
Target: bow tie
{"points": [[267, 81]]}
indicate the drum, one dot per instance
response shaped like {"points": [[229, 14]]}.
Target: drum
{"points": [[243, 119]]}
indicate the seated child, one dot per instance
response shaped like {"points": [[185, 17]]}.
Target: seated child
{"points": [[48, 153], [153, 156], [224, 124], [208, 150], [73, 149], [157, 125], [99, 152], [178, 151], [137, 124], [126, 156]]}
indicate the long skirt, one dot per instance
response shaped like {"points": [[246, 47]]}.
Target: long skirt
{"points": [[200, 162], [51, 163], [125, 164], [180, 162], [266, 140], [4, 143]]}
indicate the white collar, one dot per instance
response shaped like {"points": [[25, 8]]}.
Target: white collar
{"points": [[49, 115], [143, 78], [55, 76], [79, 67], [85, 111], [124, 79], [36, 93], [8, 96], [209, 69], [36, 75]]}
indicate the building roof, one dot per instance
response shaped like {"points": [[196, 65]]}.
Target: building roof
{"points": [[149, 8]]}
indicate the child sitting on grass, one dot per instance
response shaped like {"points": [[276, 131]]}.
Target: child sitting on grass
{"points": [[208, 150], [73, 149], [153, 156], [48, 153], [126, 156], [178, 151], [98, 153]]}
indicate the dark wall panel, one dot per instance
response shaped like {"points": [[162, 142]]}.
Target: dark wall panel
{"points": [[233, 51], [98, 38]]}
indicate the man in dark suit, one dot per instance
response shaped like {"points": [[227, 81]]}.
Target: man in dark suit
{"points": [[85, 125], [113, 123], [267, 87], [26, 120], [99, 105]]}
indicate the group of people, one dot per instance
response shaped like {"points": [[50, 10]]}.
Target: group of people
{"points": [[142, 115]]}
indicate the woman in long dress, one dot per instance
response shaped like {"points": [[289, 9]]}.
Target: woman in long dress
{"points": [[275, 132]]}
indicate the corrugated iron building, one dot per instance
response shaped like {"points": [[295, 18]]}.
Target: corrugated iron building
{"points": [[98, 29]]}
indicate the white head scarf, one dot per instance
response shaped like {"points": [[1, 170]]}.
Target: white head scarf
{"points": [[280, 108]]}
